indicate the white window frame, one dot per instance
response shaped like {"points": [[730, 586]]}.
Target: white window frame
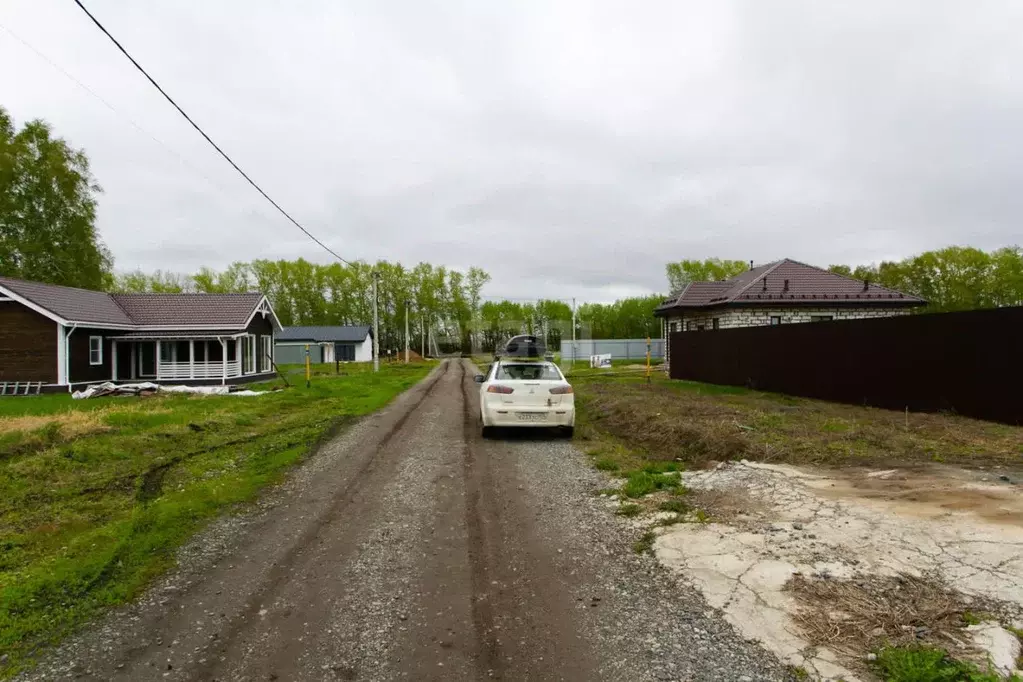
{"points": [[249, 364], [96, 350], [266, 358]]}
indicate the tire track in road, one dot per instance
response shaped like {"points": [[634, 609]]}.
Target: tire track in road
{"points": [[282, 569], [477, 484], [256, 594]]}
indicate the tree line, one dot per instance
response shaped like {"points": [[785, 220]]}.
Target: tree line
{"points": [[952, 278], [444, 305], [48, 200]]}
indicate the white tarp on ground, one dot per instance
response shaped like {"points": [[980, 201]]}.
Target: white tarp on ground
{"points": [[110, 388]]}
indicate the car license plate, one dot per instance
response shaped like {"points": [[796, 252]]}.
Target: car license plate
{"points": [[532, 416]]}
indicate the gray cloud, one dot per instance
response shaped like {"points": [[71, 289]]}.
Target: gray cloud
{"points": [[569, 148]]}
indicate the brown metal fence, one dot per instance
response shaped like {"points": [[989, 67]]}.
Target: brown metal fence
{"points": [[970, 362]]}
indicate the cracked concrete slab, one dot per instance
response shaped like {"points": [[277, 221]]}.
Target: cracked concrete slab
{"points": [[945, 522]]}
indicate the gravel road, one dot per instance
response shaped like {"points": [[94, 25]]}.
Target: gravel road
{"points": [[409, 548]]}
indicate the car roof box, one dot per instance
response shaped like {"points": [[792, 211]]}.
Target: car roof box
{"points": [[524, 346]]}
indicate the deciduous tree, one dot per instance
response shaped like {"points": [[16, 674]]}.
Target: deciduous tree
{"points": [[48, 209], [711, 270]]}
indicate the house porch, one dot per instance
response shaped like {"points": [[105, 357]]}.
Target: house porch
{"points": [[175, 357]]}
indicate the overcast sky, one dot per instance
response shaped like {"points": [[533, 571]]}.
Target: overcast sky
{"points": [[569, 148]]}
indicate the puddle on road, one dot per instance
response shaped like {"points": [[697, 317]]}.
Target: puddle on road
{"points": [[964, 527]]}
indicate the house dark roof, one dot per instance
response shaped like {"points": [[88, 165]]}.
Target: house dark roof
{"points": [[786, 282], [83, 306], [349, 334], [158, 310], [79, 305]]}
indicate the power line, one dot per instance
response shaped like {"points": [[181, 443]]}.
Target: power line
{"points": [[108, 105], [203, 133]]}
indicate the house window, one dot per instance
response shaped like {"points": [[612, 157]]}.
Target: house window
{"points": [[689, 326], [673, 327], [775, 320], [268, 349], [821, 318], [95, 350], [716, 323], [345, 352], [249, 354]]}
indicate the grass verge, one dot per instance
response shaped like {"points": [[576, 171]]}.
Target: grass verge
{"points": [[97, 495], [650, 483], [693, 424]]}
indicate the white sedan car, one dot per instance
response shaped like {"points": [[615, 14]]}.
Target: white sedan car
{"points": [[524, 393]]}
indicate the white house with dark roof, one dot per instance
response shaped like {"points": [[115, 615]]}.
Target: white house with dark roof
{"points": [[63, 337], [349, 343], [782, 292]]}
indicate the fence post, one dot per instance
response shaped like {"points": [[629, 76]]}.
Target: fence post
{"points": [[648, 359], [307, 366]]}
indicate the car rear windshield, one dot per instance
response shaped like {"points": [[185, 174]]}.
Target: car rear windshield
{"points": [[528, 372]]}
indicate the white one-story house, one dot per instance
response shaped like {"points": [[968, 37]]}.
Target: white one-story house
{"points": [[326, 344]]}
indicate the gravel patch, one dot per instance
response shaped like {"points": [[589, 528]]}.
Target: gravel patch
{"points": [[649, 623]]}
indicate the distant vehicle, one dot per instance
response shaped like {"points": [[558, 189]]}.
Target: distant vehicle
{"points": [[523, 346], [520, 393]]}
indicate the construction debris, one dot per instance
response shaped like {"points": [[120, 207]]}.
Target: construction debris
{"points": [[149, 388]]}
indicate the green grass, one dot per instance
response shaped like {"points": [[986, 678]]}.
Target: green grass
{"points": [[96, 495], [642, 483], [924, 664], [693, 423], [797, 672], [645, 543], [971, 618], [675, 504], [629, 510], [606, 464]]}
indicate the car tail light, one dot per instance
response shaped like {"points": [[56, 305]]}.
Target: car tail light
{"points": [[498, 388], [561, 390]]}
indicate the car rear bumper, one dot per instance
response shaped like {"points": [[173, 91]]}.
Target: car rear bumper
{"points": [[508, 415]]}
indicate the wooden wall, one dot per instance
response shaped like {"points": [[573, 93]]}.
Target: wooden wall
{"points": [[81, 370], [28, 345]]}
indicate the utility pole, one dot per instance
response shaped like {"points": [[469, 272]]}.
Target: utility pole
{"points": [[575, 350], [406, 331], [376, 325], [422, 336]]}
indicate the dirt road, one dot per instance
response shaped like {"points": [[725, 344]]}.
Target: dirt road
{"points": [[409, 548]]}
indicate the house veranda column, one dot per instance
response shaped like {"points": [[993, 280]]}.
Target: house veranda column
{"points": [[223, 355], [191, 359], [113, 360], [156, 360]]}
